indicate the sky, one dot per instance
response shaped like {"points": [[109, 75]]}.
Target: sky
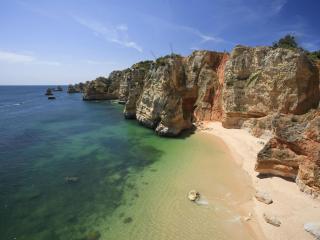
{"points": [[68, 41]]}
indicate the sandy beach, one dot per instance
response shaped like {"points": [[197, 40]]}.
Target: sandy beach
{"points": [[292, 207]]}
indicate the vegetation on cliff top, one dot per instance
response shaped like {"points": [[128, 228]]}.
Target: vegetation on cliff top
{"points": [[290, 42], [161, 61]]}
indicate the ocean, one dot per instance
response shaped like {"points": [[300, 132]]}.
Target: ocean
{"points": [[73, 169]]}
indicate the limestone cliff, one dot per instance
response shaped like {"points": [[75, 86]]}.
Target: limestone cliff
{"points": [[178, 91], [132, 86], [294, 151], [103, 88], [263, 80], [76, 88]]}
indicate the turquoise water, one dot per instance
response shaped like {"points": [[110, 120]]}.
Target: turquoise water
{"points": [[43, 141]]}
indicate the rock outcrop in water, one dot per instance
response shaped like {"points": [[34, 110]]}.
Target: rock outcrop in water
{"points": [[103, 88], [76, 88], [264, 89]]}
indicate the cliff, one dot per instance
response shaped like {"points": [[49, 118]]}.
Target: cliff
{"points": [[266, 90], [264, 80]]}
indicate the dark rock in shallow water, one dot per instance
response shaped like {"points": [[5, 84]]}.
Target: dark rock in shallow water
{"points": [[51, 97], [127, 220]]}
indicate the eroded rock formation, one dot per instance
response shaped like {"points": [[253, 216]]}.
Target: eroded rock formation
{"points": [[103, 88], [76, 88], [263, 80], [178, 91], [294, 151]]}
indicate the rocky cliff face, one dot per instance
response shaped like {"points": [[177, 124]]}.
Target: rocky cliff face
{"points": [[133, 85], [294, 151], [178, 87], [76, 88], [103, 88], [263, 80]]}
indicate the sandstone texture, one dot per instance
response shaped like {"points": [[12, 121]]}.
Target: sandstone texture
{"points": [[178, 91], [263, 80], [132, 87], [294, 151]]}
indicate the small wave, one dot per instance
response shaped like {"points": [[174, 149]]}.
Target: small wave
{"points": [[10, 105], [202, 201]]}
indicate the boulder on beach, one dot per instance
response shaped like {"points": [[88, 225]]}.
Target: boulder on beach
{"points": [[263, 197], [271, 220], [193, 195], [313, 228]]}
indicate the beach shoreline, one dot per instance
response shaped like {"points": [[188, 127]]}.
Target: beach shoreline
{"points": [[291, 206]]}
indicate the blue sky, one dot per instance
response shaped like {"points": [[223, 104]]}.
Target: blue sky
{"points": [[68, 41]]}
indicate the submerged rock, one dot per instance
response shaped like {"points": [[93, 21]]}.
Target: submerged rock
{"points": [[127, 220], [263, 197], [313, 228], [193, 195], [271, 220]]}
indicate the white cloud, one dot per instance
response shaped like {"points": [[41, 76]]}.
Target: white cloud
{"points": [[11, 57], [204, 38], [116, 34], [277, 5], [122, 27]]}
